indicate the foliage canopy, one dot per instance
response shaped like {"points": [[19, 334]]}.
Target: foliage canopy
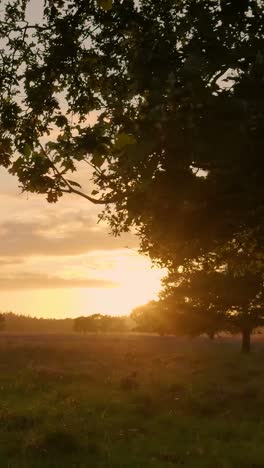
{"points": [[178, 91], [176, 150]]}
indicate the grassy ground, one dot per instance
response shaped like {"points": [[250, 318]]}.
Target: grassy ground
{"points": [[130, 402]]}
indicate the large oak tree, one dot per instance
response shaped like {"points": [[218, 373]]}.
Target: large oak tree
{"points": [[178, 90]]}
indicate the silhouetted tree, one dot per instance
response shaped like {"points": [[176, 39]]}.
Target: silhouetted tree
{"points": [[79, 325], [98, 323], [211, 301], [180, 91], [21, 323], [2, 322], [177, 148], [150, 318]]}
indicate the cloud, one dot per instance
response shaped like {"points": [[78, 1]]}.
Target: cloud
{"points": [[42, 281], [6, 261], [68, 233]]}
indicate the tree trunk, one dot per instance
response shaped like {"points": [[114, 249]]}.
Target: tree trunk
{"points": [[246, 343]]}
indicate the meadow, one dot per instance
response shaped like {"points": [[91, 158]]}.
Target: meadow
{"points": [[130, 402]]}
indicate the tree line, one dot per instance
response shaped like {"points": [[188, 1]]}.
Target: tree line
{"points": [[16, 323], [176, 151], [96, 323]]}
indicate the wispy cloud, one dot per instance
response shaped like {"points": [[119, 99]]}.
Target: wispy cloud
{"points": [[67, 234], [42, 281], [7, 261]]}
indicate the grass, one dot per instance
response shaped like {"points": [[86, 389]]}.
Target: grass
{"points": [[129, 401]]}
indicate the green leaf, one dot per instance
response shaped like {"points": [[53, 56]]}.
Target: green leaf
{"points": [[27, 150], [124, 139], [95, 192], [105, 4]]}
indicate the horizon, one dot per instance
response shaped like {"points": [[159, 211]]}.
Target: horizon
{"points": [[33, 317]]}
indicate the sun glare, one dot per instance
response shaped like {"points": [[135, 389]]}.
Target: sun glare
{"points": [[137, 283], [129, 280]]}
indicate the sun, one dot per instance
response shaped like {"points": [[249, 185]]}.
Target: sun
{"points": [[137, 282]]}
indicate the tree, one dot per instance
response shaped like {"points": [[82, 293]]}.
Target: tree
{"points": [[15, 323], [98, 323], [179, 92], [203, 300], [2, 322], [79, 325], [156, 75], [189, 316], [89, 324], [208, 301], [149, 318]]}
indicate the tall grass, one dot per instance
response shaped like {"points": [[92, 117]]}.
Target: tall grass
{"points": [[129, 401]]}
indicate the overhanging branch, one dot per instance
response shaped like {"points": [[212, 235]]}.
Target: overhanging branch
{"points": [[95, 201]]}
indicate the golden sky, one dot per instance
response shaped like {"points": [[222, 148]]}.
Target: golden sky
{"points": [[56, 260]]}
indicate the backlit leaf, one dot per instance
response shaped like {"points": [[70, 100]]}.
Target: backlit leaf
{"points": [[105, 4], [124, 139], [27, 150]]}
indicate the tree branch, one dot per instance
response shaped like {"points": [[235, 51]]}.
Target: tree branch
{"points": [[70, 189], [95, 201]]}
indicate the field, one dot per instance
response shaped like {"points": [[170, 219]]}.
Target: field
{"points": [[130, 402]]}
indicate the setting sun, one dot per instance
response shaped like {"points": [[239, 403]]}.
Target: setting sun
{"points": [[136, 283]]}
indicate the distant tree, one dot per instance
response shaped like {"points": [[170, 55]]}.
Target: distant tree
{"points": [[98, 323], [110, 324], [93, 323], [211, 301], [104, 323], [150, 318], [17, 323], [2, 322], [79, 325], [89, 324], [121, 324]]}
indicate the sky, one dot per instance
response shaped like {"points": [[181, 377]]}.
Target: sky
{"points": [[57, 261]]}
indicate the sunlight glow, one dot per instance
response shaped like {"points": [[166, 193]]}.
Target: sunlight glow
{"points": [[137, 281]]}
